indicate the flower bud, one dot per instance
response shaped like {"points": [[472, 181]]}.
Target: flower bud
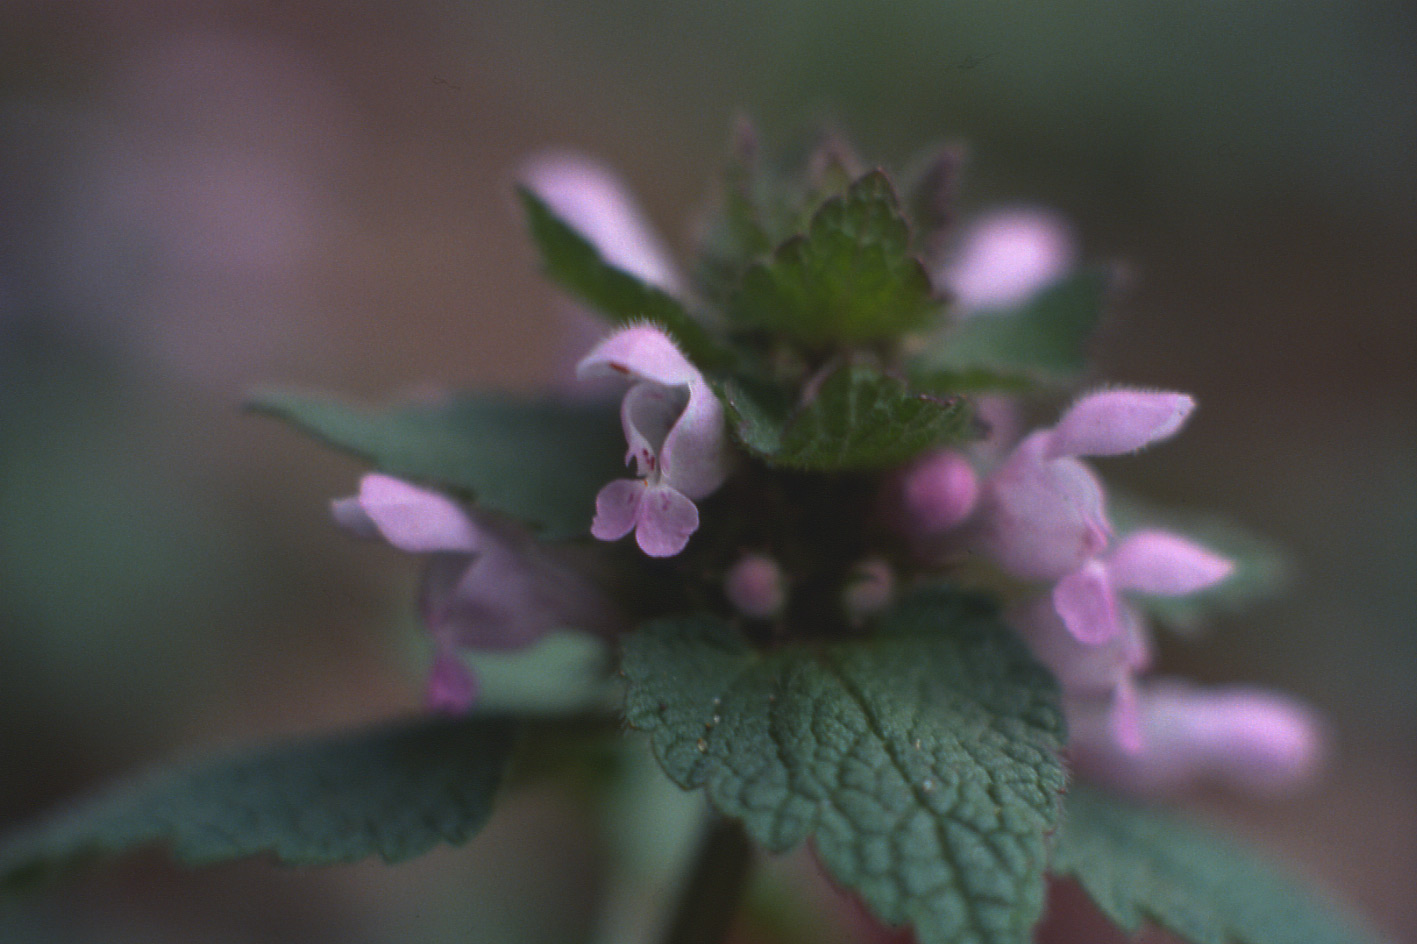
{"points": [[869, 589], [938, 492], [756, 587]]}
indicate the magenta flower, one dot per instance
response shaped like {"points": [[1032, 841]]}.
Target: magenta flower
{"points": [[1043, 514], [485, 585], [1096, 678], [674, 426], [1240, 737]]}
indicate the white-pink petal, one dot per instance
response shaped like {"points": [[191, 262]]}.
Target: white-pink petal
{"points": [[1113, 422], [1087, 605], [639, 352], [666, 521], [593, 201], [617, 509], [1040, 518], [414, 519], [1166, 564]]}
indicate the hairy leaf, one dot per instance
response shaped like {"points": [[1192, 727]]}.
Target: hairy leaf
{"points": [[1043, 342], [572, 262], [1138, 865], [536, 460], [394, 791], [859, 419], [849, 279], [921, 761]]}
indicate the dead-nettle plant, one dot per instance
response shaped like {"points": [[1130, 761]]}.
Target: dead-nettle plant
{"points": [[795, 541]]}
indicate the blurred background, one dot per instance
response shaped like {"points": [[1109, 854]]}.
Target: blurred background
{"points": [[199, 197]]}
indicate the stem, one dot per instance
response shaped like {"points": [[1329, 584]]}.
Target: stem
{"points": [[709, 898]]}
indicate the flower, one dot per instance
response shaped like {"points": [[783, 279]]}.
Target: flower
{"points": [[1097, 678], [1043, 513], [485, 585], [591, 200], [673, 423], [1236, 736], [1007, 257]]}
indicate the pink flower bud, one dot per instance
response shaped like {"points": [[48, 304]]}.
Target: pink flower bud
{"points": [[1113, 422], [756, 587], [869, 589], [938, 492]]}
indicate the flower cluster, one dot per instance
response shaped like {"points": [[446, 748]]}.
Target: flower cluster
{"points": [[1033, 508]]}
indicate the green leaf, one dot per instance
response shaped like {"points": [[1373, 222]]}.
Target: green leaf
{"points": [[394, 791], [1043, 342], [859, 419], [537, 460], [574, 263], [922, 761], [849, 279], [1141, 865]]}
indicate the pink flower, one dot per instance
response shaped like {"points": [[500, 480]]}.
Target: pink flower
{"points": [[1101, 678], [1043, 514], [1009, 256], [485, 585], [1240, 737], [674, 426]]}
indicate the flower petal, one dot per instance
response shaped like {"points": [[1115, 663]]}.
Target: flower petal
{"points": [[640, 352], [648, 414], [1008, 256], [1166, 564], [1042, 518], [1117, 421], [414, 519], [1087, 605], [452, 688], [667, 519], [618, 509], [593, 201]]}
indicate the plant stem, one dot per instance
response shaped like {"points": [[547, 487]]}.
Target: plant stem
{"points": [[711, 892]]}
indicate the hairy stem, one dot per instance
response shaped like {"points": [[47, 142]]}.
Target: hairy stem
{"points": [[711, 892]]}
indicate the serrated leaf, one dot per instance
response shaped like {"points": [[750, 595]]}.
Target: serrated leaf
{"points": [[1139, 865], [1045, 341], [540, 461], [849, 279], [921, 761], [394, 791], [859, 419], [573, 262]]}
